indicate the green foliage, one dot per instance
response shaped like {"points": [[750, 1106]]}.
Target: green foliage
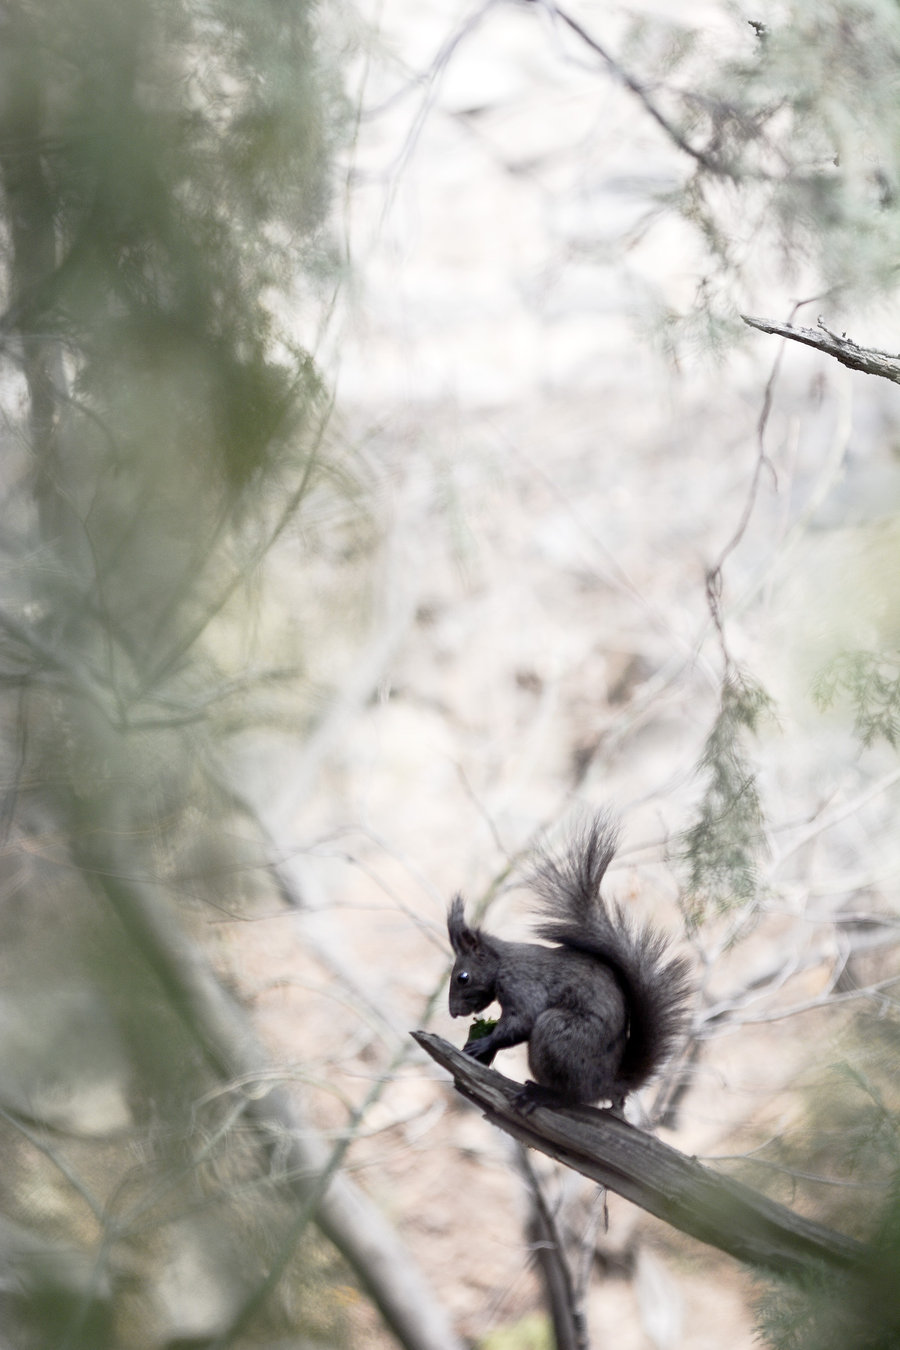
{"points": [[853, 1311], [722, 847], [857, 1309], [481, 1027], [164, 179], [164, 170], [871, 683], [530, 1333], [823, 76], [851, 1133], [179, 155], [842, 1156], [792, 141]]}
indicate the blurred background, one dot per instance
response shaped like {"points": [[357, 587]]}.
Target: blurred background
{"points": [[389, 481]]}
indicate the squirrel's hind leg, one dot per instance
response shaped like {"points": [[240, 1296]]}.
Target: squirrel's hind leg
{"points": [[575, 1057]]}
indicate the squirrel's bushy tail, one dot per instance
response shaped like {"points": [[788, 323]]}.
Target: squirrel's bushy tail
{"points": [[655, 984]]}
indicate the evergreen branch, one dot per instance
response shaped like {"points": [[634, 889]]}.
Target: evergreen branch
{"points": [[722, 846], [872, 682]]}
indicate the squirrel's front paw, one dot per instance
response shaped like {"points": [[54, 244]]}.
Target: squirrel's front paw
{"points": [[480, 1050]]}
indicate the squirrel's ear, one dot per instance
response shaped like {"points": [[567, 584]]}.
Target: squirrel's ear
{"points": [[462, 938]]}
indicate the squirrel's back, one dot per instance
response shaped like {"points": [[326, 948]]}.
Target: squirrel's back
{"points": [[655, 983]]}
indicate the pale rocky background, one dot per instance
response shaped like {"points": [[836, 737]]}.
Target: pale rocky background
{"points": [[531, 638]]}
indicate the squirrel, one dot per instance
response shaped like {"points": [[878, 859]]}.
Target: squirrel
{"points": [[601, 1010]]}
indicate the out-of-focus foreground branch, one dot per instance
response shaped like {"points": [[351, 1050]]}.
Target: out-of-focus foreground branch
{"points": [[343, 1212]]}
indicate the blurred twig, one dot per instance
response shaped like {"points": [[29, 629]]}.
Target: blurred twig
{"points": [[712, 163], [548, 1252]]}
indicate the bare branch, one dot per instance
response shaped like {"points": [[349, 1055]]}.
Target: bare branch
{"points": [[711, 163], [870, 360], [549, 1256], [712, 1208]]}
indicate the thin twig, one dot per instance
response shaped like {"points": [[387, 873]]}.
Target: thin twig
{"points": [[549, 1254], [706, 161]]}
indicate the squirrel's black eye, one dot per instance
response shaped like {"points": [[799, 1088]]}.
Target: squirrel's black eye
{"points": [[462, 977]]}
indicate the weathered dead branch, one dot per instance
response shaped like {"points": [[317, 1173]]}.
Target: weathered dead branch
{"points": [[869, 360], [680, 1190]]}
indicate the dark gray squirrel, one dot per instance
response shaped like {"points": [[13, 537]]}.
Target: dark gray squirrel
{"points": [[601, 1010]]}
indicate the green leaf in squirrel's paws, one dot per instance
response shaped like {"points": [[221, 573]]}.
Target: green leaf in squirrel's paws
{"points": [[481, 1027]]}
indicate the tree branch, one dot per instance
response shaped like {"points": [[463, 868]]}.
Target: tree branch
{"points": [[549, 1256], [869, 360], [692, 1198], [343, 1213], [704, 158]]}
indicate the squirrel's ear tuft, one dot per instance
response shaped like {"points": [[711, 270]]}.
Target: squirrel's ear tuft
{"points": [[462, 937]]}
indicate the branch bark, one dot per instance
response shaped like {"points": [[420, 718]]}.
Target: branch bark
{"points": [[692, 1198], [869, 360]]}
